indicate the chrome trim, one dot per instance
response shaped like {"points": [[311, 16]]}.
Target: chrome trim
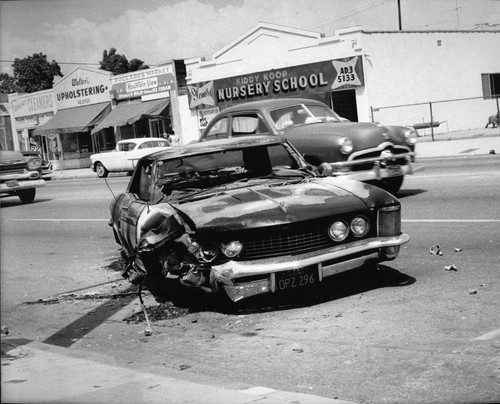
{"points": [[377, 173], [23, 184], [381, 147], [385, 159], [231, 270]]}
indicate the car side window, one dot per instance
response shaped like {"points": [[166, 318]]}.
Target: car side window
{"points": [[248, 124], [218, 130], [126, 146]]}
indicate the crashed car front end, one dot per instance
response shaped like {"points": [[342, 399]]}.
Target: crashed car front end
{"points": [[252, 234]]}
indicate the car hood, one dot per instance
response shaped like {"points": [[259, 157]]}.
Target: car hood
{"points": [[264, 205], [8, 157], [364, 135]]}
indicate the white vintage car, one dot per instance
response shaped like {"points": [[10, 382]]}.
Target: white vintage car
{"points": [[125, 155]]}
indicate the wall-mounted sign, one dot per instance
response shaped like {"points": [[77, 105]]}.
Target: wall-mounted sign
{"points": [[152, 83], [82, 86], [205, 115], [295, 80], [33, 103]]}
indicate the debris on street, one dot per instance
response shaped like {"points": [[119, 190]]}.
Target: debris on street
{"points": [[436, 250], [451, 267]]}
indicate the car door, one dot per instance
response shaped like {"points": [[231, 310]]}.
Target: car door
{"points": [[118, 160]]}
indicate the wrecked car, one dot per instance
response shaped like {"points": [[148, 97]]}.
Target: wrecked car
{"points": [[248, 216], [362, 151]]}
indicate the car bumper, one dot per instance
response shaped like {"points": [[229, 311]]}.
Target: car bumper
{"points": [[379, 171], [326, 262], [12, 186]]}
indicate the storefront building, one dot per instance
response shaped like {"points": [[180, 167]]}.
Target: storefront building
{"points": [[28, 112], [387, 77], [81, 101], [144, 105]]}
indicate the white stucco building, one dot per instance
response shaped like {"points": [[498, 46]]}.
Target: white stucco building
{"points": [[397, 77]]}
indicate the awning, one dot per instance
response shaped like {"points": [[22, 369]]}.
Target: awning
{"points": [[128, 113], [79, 119]]}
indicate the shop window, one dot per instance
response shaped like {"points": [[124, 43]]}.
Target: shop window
{"points": [[491, 85], [76, 145], [142, 128], [160, 126]]}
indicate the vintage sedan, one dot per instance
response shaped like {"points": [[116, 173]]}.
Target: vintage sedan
{"points": [[356, 150], [20, 175], [248, 216], [125, 155]]}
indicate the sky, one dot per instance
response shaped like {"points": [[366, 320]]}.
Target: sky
{"points": [[76, 32]]}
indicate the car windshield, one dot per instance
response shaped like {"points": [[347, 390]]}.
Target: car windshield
{"points": [[179, 177], [302, 114]]}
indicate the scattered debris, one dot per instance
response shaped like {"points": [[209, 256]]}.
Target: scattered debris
{"points": [[298, 350], [492, 151], [436, 250], [451, 267], [5, 330], [458, 249], [472, 291], [184, 367]]}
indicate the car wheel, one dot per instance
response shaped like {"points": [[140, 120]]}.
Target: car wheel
{"points": [[27, 195], [392, 184], [101, 171]]}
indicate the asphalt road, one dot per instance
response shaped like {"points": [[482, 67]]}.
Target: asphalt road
{"points": [[411, 332]]}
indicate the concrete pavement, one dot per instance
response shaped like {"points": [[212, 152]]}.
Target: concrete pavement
{"points": [[33, 372]]}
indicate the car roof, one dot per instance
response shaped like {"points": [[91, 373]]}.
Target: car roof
{"points": [[271, 104], [141, 139], [215, 146]]}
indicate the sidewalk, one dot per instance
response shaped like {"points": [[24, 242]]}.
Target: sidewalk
{"points": [[459, 143], [33, 372]]}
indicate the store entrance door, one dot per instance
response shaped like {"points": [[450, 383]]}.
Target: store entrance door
{"points": [[344, 104]]}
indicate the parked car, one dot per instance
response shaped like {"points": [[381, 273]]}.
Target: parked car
{"points": [[20, 175], [248, 216], [46, 167], [357, 150], [125, 155]]}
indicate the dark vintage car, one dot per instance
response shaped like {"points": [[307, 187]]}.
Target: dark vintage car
{"points": [[356, 150], [20, 175], [248, 216]]}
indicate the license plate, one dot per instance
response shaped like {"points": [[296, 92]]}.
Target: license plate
{"points": [[298, 278], [394, 171], [12, 183]]}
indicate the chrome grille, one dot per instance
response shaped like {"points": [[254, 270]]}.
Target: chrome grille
{"points": [[376, 153], [285, 243]]}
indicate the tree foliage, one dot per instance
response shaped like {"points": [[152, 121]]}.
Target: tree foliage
{"points": [[35, 73], [7, 84], [118, 64]]}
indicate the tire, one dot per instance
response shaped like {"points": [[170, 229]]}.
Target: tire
{"points": [[101, 171], [27, 195], [392, 184]]}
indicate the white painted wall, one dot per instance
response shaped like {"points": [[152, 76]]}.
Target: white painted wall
{"points": [[410, 67]]}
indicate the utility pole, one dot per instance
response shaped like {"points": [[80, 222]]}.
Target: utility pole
{"points": [[399, 15]]}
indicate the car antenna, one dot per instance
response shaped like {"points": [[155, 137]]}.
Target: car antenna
{"points": [[110, 190]]}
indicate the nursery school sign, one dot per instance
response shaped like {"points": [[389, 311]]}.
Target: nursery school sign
{"points": [[297, 80]]}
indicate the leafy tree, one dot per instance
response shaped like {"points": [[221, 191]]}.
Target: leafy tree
{"points": [[118, 64], [35, 73], [7, 84]]}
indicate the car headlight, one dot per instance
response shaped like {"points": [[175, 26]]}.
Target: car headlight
{"points": [[34, 163], [359, 226], [232, 248], [411, 137], [345, 145], [338, 231]]}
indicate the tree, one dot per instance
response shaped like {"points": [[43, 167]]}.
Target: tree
{"points": [[35, 73], [7, 84], [118, 64]]}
